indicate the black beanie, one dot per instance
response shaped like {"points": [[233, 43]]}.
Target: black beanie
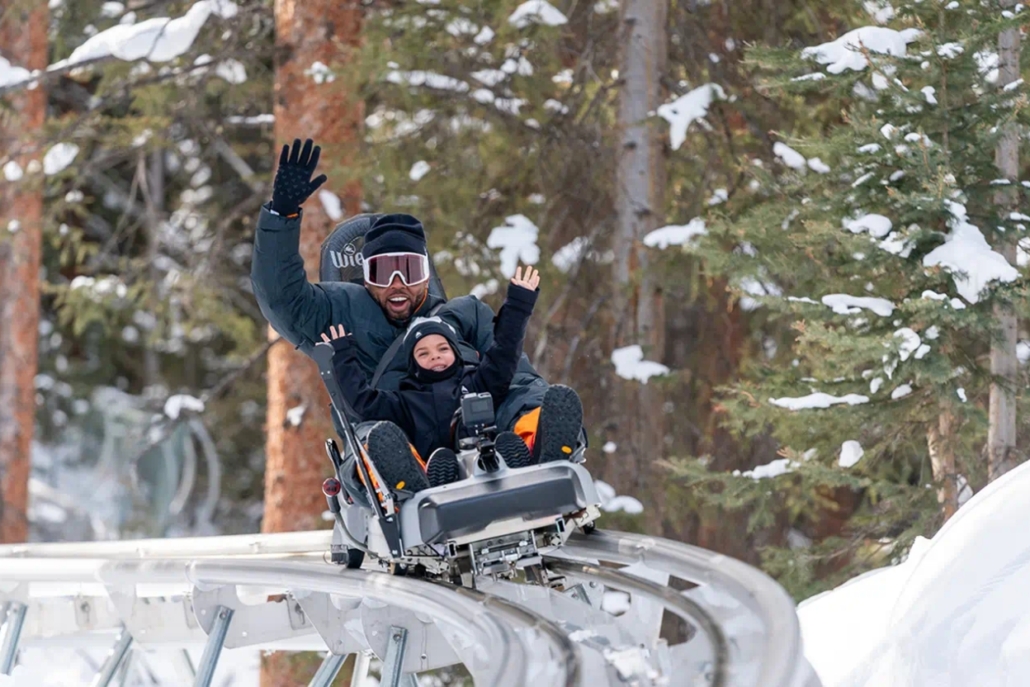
{"points": [[422, 327], [394, 234]]}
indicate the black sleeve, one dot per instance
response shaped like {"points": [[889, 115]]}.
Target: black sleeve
{"points": [[298, 310], [498, 366], [369, 403]]}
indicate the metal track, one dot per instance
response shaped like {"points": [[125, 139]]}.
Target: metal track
{"points": [[730, 594]]}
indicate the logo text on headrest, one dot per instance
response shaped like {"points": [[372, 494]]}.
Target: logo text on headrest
{"points": [[349, 257]]}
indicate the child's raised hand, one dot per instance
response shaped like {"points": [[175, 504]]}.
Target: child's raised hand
{"points": [[337, 333], [531, 279]]}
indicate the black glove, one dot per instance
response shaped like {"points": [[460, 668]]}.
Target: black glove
{"points": [[293, 184]]}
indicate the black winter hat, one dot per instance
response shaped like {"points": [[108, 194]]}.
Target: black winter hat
{"points": [[420, 328], [394, 234]]}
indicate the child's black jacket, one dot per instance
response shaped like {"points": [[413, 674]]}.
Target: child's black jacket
{"points": [[424, 410]]}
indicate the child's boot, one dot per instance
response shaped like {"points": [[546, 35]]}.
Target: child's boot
{"points": [[389, 450], [513, 450], [561, 418], [442, 467]]}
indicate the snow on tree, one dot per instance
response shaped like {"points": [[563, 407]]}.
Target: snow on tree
{"points": [[889, 278]]}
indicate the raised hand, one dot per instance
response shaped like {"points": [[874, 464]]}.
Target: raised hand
{"points": [[337, 333], [293, 183], [530, 280]]}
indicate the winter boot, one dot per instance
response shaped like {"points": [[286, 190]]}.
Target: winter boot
{"points": [[513, 449], [442, 467], [561, 418], [389, 450]]}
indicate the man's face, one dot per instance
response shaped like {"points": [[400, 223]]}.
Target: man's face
{"points": [[434, 353], [397, 300]]}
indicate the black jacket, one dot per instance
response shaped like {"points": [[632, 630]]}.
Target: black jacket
{"points": [[301, 312], [424, 409]]}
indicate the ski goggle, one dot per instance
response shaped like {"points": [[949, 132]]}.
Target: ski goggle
{"points": [[412, 268]]}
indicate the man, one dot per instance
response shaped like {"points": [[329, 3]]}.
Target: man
{"points": [[396, 289]]}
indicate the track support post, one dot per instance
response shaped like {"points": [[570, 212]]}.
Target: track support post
{"points": [[114, 660], [326, 672], [213, 648], [361, 661], [396, 645], [14, 620]]}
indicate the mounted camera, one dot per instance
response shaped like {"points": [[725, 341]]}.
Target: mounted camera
{"points": [[479, 420]]}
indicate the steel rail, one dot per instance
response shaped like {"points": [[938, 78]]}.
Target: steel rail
{"points": [[782, 662], [685, 608], [493, 626]]}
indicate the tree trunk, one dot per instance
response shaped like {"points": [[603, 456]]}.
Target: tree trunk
{"points": [[23, 42], [298, 422], [940, 440], [1001, 435], [639, 201]]}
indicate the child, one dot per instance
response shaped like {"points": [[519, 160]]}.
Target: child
{"points": [[418, 416]]}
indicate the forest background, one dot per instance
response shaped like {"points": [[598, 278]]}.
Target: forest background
{"points": [[768, 369]]}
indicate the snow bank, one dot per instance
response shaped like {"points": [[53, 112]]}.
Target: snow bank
{"points": [[159, 40], [955, 613], [630, 364], [686, 109], [968, 256], [517, 243], [675, 235], [789, 156], [845, 52], [878, 226]]}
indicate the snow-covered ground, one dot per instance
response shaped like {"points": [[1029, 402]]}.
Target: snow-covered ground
{"points": [[956, 612]]}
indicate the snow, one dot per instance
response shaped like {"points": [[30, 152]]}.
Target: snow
{"points": [[842, 304], [485, 35], [179, 402], [814, 76], [606, 6], [613, 503], [850, 453], [1023, 351], [878, 226], [686, 109], [901, 392], [419, 170], [332, 204], [846, 52], [817, 165], [615, 602], [295, 415], [516, 240], [909, 342], [817, 400], [159, 39], [563, 77], [490, 77], [961, 393], [630, 364], [110, 10], [954, 613], [429, 79], [232, 71], [950, 51], [10, 75], [609, 447], [875, 385], [59, 157], [13, 171], [870, 148], [719, 196], [569, 255], [789, 156], [675, 235], [536, 12], [928, 93], [780, 466], [968, 256]]}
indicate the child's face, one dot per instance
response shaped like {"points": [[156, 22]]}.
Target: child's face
{"points": [[434, 353]]}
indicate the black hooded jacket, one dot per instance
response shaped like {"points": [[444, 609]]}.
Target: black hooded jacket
{"points": [[425, 403]]}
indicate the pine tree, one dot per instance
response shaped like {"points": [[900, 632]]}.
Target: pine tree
{"points": [[875, 247]]}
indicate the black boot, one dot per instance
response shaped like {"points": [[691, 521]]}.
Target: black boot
{"points": [[513, 450], [389, 450], [442, 467], [561, 418]]}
